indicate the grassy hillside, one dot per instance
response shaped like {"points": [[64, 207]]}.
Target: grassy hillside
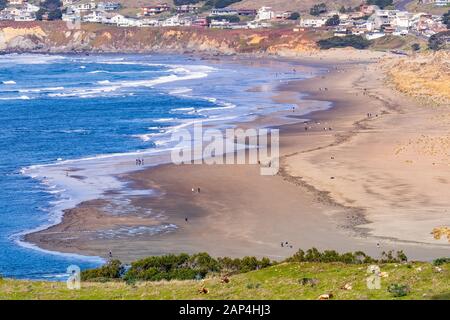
{"points": [[284, 281], [296, 5], [416, 6]]}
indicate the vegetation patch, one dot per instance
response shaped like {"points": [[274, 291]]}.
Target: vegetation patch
{"points": [[355, 41]]}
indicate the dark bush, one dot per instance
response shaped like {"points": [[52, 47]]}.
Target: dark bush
{"points": [[389, 257], [333, 21], [112, 270], [441, 261], [381, 3], [415, 47], [354, 41], [439, 40], [314, 255], [294, 16], [398, 290], [318, 9]]}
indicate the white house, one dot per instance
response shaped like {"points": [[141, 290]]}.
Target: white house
{"points": [[122, 21], [28, 7], [265, 13], [258, 24], [223, 12], [441, 3], [313, 23], [16, 2], [25, 16], [402, 20], [94, 16]]}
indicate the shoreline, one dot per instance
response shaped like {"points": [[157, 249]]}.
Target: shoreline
{"points": [[343, 131]]}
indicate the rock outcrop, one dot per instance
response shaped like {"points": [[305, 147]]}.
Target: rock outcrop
{"points": [[62, 37]]}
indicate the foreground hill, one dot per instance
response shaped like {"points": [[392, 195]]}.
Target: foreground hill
{"points": [[285, 281]]}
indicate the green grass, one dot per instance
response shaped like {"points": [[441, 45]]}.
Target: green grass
{"points": [[278, 282]]}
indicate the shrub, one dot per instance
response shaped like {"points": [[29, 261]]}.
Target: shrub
{"points": [[381, 3], [441, 261], [389, 257], [354, 41], [314, 255], [185, 267], [415, 47], [318, 9], [439, 40], [446, 19], [294, 16], [333, 21], [398, 290], [112, 270]]}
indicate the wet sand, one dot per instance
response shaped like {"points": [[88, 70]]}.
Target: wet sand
{"points": [[365, 182]]}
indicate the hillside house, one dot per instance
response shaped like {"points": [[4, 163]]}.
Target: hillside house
{"points": [[154, 10], [265, 13]]}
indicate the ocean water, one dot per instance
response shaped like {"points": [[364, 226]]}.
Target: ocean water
{"points": [[83, 112]]}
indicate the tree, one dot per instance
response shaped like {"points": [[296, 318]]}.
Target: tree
{"points": [[381, 3], [294, 16], [3, 4], [415, 47], [446, 19], [318, 9], [51, 8], [354, 41], [333, 21]]}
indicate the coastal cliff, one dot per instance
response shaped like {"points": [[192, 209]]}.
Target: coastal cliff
{"points": [[60, 37]]}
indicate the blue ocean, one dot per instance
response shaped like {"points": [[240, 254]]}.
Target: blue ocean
{"points": [[79, 110]]}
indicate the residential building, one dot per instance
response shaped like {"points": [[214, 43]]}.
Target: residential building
{"points": [[313, 23], [94, 17], [28, 7], [200, 22], [283, 15], [16, 2], [247, 12], [187, 8], [153, 10], [442, 3], [108, 6], [223, 12], [265, 13], [25, 16]]}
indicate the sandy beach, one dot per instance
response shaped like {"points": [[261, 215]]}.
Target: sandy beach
{"points": [[369, 174]]}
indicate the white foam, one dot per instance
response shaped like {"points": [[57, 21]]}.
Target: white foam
{"points": [[180, 91], [41, 89], [17, 59], [23, 97], [104, 82], [163, 120], [9, 82]]}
